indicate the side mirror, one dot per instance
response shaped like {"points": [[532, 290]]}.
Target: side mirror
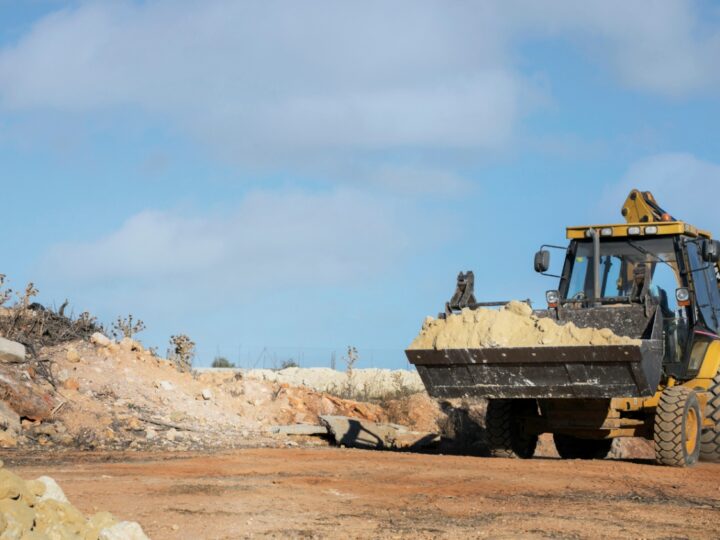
{"points": [[710, 251], [542, 261]]}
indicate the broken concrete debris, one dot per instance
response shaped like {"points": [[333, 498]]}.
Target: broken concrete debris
{"points": [[357, 433]]}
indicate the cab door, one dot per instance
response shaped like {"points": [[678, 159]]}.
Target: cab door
{"points": [[704, 285]]}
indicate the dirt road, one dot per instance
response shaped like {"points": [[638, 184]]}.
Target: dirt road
{"points": [[336, 493]]}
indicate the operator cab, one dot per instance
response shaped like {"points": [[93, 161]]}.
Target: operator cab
{"points": [[671, 272]]}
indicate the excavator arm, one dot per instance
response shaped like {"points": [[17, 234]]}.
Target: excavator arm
{"points": [[641, 207]]}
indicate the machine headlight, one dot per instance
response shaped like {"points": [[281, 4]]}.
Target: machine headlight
{"points": [[553, 298], [682, 295], [634, 231], [651, 229], [607, 231]]}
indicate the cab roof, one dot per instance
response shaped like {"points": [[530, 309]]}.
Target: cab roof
{"points": [[652, 229]]}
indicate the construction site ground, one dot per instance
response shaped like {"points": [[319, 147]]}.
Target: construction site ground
{"points": [[347, 493]]}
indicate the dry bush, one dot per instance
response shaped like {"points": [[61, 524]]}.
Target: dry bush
{"points": [[36, 326], [182, 351], [127, 327], [28, 294], [371, 390]]}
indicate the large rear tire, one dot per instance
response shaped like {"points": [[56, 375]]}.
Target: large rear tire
{"points": [[710, 438], [505, 428], [574, 448], [678, 422]]}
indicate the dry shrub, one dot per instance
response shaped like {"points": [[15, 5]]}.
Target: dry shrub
{"points": [[182, 351], [37, 326], [127, 327]]}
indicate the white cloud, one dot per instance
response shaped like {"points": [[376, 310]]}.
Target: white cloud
{"points": [[685, 186], [263, 80], [271, 239], [292, 83]]}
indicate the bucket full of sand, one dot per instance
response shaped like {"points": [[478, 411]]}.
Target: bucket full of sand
{"points": [[515, 352]]}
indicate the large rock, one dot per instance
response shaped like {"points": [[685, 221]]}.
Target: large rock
{"points": [[11, 351], [28, 398], [53, 492], [38, 509], [100, 340]]}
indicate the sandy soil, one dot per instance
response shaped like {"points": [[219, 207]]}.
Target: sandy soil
{"points": [[514, 325], [327, 492]]}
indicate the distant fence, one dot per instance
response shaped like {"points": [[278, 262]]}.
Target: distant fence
{"points": [[336, 358]]}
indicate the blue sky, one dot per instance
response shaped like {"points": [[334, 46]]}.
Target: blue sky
{"points": [[304, 176]]}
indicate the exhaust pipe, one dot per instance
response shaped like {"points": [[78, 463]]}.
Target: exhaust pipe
{"points": [[596, 266]]}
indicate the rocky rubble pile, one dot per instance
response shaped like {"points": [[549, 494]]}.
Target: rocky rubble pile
{"points": [[105, 394], [514, 325], [39, 510]]}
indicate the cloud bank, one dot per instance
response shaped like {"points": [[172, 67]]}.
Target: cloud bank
{"points": [[270, 81], [270, 240]]}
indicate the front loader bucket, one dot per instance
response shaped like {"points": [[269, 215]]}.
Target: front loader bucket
{"points": [[605, 371]]}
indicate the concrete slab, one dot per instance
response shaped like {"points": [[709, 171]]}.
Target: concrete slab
{"points": [[356, 433]]}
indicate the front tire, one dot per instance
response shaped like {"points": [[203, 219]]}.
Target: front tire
{"points": [[505, 428], [570, 447], [710, 438], [678, 423]]}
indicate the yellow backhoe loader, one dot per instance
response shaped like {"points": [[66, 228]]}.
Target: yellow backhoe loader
{"points": [[653, 278]]}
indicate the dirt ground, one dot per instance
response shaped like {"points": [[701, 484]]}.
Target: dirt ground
{"points": [[341, 493]]}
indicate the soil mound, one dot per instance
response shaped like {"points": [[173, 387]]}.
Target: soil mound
{"points": [[103, 394], [514, 325]]}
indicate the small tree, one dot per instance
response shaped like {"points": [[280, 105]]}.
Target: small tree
{"points": [[350, 360], [127, 327], [222, 362], [182, 351]]}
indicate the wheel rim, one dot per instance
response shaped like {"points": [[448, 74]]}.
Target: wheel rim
{"points": [[691, 431]]}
